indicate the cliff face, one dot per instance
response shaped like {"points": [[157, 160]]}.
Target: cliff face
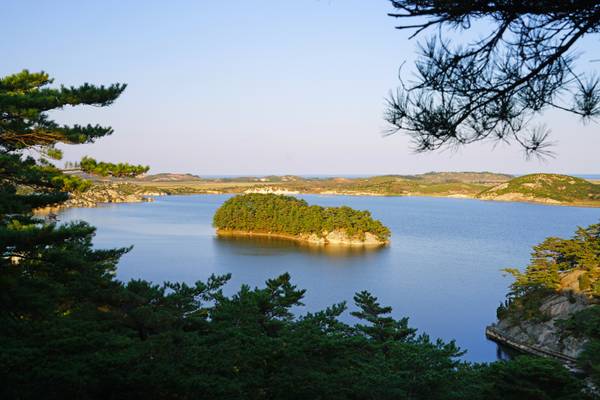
{"points": [[545, 335], [335, 238], [542, 334]]}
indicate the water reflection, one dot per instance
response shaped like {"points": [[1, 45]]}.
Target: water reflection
{"points": [[270, 246]]}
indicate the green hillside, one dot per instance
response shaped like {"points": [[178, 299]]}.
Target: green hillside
{"points": [[552, 188]]}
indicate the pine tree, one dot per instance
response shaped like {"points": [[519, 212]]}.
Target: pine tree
{"points": [[382, 327], [45, 270]]}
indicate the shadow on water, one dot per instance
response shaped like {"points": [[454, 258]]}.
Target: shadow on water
{"points": [[266, 246]]}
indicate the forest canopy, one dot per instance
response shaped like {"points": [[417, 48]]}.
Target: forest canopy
{"points": [[289, 215]]}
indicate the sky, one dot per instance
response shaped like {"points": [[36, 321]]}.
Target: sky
{"points": [[253, 87]]}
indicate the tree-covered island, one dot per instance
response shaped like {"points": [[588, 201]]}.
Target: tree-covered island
{"points": [[292, 218]]}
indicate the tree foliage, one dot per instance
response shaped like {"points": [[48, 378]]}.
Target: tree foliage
{"points": [[119, 170], [527, 378], [586, 323], [286, 214], [550, 261], [105, 339], [492, 87], [556, 256], [45, 269], [27, 182], [25, 99]]}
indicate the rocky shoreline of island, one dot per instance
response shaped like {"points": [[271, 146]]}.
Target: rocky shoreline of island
{"points": [[334, 238], [544, 336], [553, 307]]}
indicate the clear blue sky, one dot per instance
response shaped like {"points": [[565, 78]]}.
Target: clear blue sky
{"points": [[251, 87]]}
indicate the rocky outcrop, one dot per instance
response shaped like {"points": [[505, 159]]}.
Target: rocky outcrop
{"points": [[349, 193], [335, 238], [518, 197], [271, 190], [544, 337], [104, 193]]}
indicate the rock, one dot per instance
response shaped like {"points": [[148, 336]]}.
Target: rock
{"points": [[546, 335], [341, 238], [335, 238], [570, 281], [104, 193], [267, 190]]}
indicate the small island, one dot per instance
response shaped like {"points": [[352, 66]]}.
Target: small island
{"points": [[287, 217]]}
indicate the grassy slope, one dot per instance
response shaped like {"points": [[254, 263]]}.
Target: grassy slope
{"points": [[553, 187]]}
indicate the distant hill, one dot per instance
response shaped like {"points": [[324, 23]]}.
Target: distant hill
{"points": [[537, 188], [265, 179], [546, 188], [170, 177], [454, 184], [464, 177], [429, 177]]}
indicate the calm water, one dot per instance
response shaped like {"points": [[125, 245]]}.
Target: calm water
{"points": [[442, 268]]}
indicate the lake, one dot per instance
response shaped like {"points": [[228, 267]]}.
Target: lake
{"points": [[442, 268]]}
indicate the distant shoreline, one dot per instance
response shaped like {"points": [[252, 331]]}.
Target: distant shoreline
{"points": [[465, 185], [548, 189], [542, 202], [149, 197]]}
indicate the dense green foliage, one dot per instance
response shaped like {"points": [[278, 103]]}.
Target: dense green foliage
{"points": [[555, 257], [101, 339], [551, 261], [586, 323], [69, 329], [289, 215], [561, 188], [25, 99], [119, 170]]}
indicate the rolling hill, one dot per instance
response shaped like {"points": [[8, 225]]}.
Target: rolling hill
{"points": [[545, 188]]}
